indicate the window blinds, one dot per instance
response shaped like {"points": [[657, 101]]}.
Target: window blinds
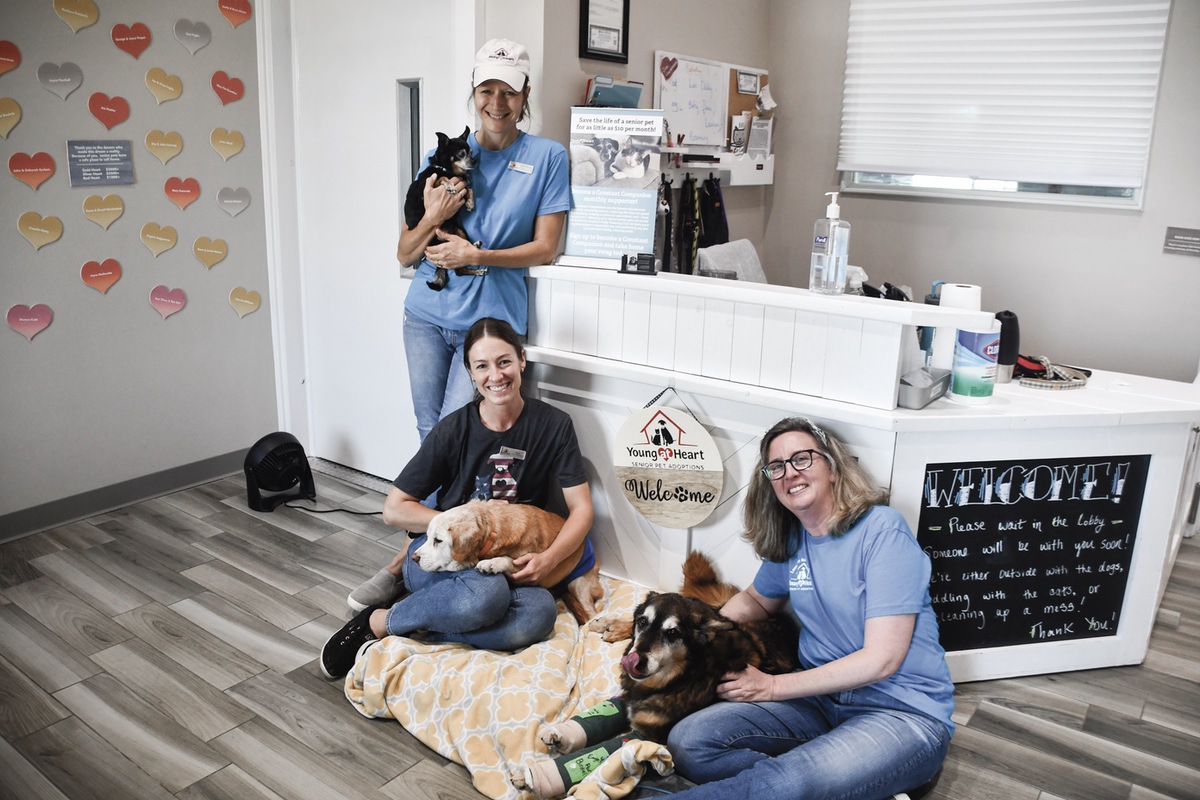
{"points": [[1038, 91]]}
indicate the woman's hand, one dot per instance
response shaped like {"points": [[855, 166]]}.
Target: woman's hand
{"points": [[748, 686], [443, 202], [532, 568], [455, 252]]}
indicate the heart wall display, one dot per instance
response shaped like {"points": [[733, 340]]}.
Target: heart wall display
{"points": [[164, 87], [194, 36], [101, 275], [167, 301], [227, 143], [164, 146], [244, 301], [210, 252], [111, 111], [133, 39], [233, 201], [10, 56], [79, 14], [104, 211], [60, 79], [39, 231], [31, 170], [236, 11], [10, 115], [182, 191], [29, 321], [228, 89], [158, 238]]}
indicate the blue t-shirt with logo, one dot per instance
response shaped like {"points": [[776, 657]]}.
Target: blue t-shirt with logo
{"points": [[876, 569], [513, 187]]}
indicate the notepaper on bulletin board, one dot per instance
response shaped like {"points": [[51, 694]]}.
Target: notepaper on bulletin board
{"points": [[694, 97]]}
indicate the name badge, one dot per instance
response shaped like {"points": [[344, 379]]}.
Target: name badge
{"points": [[514, 452], [519, 167]]}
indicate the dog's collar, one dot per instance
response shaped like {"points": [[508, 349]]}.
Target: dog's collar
{"points": [[489, 542]]}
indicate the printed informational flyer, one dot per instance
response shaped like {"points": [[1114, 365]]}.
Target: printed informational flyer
{"points": [[615, 174]]}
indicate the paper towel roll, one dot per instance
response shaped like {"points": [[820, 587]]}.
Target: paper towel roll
{"points": [[953, 295]]}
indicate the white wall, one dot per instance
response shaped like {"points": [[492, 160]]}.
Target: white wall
{"points": [[112, 395]]}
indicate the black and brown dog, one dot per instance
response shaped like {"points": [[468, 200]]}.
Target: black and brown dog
{"points": [[451, 159], [682, 645]]}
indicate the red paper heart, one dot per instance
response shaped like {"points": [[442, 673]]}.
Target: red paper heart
{"points": [[228, 89], [667, 66], [133, 39], [182, 191], [236, 11], [10, 56], [101, 275], [33, 170], [167, 301], [111, 111], [29, 322]]}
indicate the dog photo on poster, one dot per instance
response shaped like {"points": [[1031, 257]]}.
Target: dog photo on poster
{"points": [[1030, 551]]}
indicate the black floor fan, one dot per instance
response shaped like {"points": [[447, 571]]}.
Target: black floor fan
{"points": [[276, 463]]}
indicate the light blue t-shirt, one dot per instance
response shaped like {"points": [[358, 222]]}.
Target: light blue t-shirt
{"points": [[513, 187], [876, 569]]}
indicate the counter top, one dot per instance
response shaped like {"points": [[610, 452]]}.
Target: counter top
{"points": [[1109, 399]]}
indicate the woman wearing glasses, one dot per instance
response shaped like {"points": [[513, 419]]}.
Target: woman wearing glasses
{"points": [[869, 715]]}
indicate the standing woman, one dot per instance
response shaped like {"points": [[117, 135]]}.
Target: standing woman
{"points": [[522, 195], [869, 714]]}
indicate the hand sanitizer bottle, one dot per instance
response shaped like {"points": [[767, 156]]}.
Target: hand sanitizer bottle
{"points": [[831, 239]]}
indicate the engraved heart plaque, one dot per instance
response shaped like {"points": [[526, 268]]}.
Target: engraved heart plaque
{"points": [[104, 211], [164, 87], [31, 170], [133, 39], [233, 201], [227, 143], [30, 321], [39, 231], [164, 146], [101, 275], [192, 35], [244, 301], [158, 239], [61, 79]]}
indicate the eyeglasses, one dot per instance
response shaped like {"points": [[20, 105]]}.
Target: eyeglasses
{"points": [[800, 461]]}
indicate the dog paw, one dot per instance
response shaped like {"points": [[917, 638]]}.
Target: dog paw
{"points": [[612, 628], [551, 736], [520, 778], [496, 566]]}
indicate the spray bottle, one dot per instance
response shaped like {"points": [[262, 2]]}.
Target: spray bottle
{"points": [[831, 240]]}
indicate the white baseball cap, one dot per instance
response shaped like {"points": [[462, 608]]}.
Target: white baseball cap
{"points": [[502, 60]]}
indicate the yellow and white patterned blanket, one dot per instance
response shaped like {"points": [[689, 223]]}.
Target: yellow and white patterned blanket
{"points": [[482, 708]]}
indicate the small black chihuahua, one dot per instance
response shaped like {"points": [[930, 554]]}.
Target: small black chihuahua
{"points": [[451, 159]]}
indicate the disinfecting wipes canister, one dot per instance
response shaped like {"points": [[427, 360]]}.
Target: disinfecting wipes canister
{"points": [[974, 371]]}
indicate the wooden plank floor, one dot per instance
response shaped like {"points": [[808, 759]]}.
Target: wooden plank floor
{"points": [[168, 650]]}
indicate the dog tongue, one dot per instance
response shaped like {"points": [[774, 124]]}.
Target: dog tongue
{"points": [[630, 662]]}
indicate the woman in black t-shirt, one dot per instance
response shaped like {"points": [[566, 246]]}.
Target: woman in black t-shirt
{"points": [[502, 446]]}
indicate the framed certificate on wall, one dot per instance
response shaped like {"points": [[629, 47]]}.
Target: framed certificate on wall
{"points": [[604, 30]]}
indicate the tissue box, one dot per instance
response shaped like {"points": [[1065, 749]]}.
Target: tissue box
{"points": [[922, 386]]}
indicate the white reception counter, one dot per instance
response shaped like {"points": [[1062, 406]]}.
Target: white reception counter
{"points": [[1052, 517]]}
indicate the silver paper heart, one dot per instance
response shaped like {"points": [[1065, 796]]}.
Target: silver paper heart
{"points": [[62, 79], [233, 201], [192, 35]]}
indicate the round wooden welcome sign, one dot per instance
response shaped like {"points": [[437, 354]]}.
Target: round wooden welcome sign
{"points": [[669, 467]]}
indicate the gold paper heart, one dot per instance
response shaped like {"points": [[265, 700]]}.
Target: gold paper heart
{"points": [[164, 87], [77, 13], [158, 239], [210, 252], [244, 301], [104, 211], [164, 146], [227, 143], [10, 115], [39, 230]]}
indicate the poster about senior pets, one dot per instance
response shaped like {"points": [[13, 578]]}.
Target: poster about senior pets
{"points": [[669, 467], [614, 183]]}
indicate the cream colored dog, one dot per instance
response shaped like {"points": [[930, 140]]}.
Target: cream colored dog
{"points": [[488, 536]]}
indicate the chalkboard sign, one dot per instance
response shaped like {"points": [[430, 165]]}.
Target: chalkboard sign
{"points": [[1030, 551]]}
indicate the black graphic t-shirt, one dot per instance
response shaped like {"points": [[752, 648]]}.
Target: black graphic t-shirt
{"points": [[531, 462]]}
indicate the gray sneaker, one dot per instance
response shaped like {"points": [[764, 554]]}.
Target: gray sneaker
{"points": [[380, 590]]}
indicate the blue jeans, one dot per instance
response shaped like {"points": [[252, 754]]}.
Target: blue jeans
{"points": [[859, 744], [440, 382], [470, 607]]}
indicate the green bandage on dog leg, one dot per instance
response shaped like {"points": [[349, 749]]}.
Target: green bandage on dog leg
{"points": [[574, 767], [601, 721]]}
